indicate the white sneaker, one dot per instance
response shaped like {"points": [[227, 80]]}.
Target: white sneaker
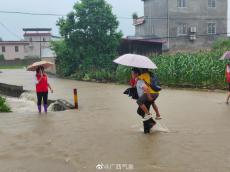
{"points": [[147, 117], [158, 118]]}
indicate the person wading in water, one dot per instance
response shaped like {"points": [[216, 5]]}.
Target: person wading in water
{"points": [[42, 86], [147, 97]]}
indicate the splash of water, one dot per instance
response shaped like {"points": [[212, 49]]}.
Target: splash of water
{"points": [[30, 96], [22, 104], [156, 128], [160, 128]]}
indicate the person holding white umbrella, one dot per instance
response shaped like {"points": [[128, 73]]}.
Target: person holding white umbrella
{"points": [[146, 95]]}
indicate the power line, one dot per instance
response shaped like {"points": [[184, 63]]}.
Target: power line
{"points": [[8, 30], [30, 13], [44, 14], [119, 17], [146, 18]]}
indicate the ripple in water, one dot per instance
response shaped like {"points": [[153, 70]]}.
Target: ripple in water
{"points": [[157, 128]]}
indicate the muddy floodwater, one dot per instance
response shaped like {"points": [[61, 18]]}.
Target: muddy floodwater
{"points": [[106, 131]]}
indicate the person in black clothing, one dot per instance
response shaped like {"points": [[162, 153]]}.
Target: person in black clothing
{"points": [[148, 124]]}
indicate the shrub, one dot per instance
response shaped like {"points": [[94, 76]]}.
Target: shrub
{"points": [[1, 57], [3, 106]]}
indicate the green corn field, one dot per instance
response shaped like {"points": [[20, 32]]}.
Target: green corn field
{"points": [[200, 70], [195, 70]]}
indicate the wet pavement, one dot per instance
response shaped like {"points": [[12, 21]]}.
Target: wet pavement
{"points": [[106, 130]]}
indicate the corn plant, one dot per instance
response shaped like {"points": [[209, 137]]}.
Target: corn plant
{"points": [[202, 69]]}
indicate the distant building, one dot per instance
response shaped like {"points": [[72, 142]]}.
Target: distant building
{"points": [[38, 39], [13, 49], [183, 24], [35, 45]]}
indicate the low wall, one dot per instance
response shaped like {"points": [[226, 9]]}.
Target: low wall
{"points": [[11, 90], [25, 62]]}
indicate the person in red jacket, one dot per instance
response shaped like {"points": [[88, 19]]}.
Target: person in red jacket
{"points": [[42, 86], [228, 81], [134, 77]]}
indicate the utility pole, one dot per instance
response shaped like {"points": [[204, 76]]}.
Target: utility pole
{"points": [[168, 23], [40, 48]]}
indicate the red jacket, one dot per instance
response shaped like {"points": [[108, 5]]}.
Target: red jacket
{"points": [[133, 82], [42, 86]]}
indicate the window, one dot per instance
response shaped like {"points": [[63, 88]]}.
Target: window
{"points": [[44, 39], [3, 49], [211, 3], [211, 28], [182, 29], [30, 39], [181, 3], [16, 49]]}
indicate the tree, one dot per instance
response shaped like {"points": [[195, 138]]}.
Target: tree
{"points": [[1, 57], [90, 37]]}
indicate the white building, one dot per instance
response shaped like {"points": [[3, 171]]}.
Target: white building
{"points": [[35, 44], [38, 39], [13, 49]]}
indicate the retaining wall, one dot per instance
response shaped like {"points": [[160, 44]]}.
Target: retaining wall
{"points": [[11, 90]]}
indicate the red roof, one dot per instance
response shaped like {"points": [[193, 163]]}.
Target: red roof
{"points": [[14, 43], [37, 29], [37, 34]]}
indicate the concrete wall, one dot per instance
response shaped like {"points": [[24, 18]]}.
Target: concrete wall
{"points": [[11, 90], [33, 50], [197, 13], [154, 25]]}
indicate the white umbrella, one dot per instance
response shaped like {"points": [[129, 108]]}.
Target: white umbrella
{"points": [[43, 63], [226, 56], [134, 60]]}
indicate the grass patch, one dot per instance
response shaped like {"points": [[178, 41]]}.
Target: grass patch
{"points": [[12, 67], [3, 106]]}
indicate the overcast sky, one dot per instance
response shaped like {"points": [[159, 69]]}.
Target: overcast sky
{"points": [[15, 22]]}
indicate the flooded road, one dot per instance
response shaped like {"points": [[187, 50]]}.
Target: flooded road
{"points": [[106, 130]]}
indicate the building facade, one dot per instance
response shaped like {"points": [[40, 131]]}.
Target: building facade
{"points": [[35, 45], [183, 24], [12, 50], [38, 39]]}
